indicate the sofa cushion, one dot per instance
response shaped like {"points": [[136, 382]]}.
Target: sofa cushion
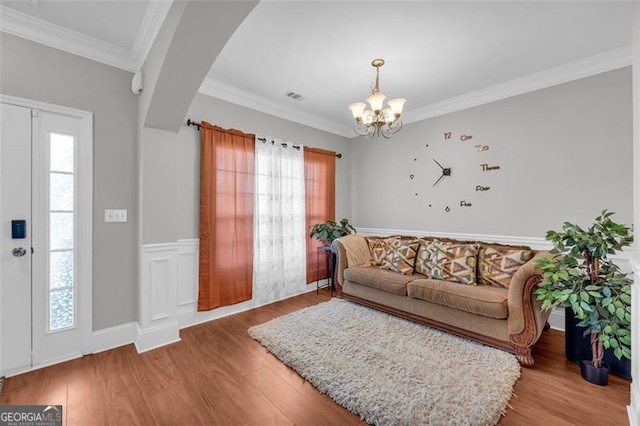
{"points": [[401, 256], [497, 264], [378, 248], [453, 262], [423, 257], [487, 301], [382, 279]]}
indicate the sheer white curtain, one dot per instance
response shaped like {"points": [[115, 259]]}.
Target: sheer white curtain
{"points": [[279, 265]]}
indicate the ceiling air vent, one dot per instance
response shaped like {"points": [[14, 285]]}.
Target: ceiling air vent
{"points": [[293, 95]]}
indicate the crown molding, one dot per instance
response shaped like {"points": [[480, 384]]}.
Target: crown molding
{"points": [[608, 61], [43, 32], [52, 35], [215, 89], [149, 28], [593, 65]]}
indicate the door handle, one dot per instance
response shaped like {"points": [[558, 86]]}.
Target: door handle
{"points": [[19, 251]]}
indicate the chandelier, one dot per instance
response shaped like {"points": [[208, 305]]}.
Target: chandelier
{"points": [[377, 121]]}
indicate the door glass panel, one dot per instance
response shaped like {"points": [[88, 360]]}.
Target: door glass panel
{"points": [[61, 269], [61, 309], [61, 150], [61, 231], [61, 197]]}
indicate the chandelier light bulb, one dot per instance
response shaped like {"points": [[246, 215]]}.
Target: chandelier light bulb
{"points": [[376, 101], [396, 105], [357, 109]]}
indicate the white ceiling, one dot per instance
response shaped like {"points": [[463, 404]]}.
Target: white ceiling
{"points": [[436, 53]]}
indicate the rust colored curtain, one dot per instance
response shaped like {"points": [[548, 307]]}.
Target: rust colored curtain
{"points": [[320, 204], [226, 217]]}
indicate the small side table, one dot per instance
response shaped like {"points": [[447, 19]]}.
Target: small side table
{"points": [[325, 249]]}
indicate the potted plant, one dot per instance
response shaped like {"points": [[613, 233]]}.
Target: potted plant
{"points": [[580, 276], [330, 230]]}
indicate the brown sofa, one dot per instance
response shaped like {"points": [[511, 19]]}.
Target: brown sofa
{"points": [[509, 318]]}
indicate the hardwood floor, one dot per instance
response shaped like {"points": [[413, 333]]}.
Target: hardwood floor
{"points": [[218, 375]]}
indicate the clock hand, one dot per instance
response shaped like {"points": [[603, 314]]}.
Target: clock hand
{"points": [[441, 176], [438, 164]]}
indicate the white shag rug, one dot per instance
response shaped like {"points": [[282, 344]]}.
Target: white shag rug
{"points": [[391, 371]]}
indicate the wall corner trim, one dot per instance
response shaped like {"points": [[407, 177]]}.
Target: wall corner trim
{"points": [[632, 410]]}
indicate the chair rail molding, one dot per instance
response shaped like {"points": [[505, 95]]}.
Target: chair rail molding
{"points": [[624, 259]]}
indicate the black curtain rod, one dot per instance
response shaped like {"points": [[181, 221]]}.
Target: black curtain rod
{"points": [[263, 140]]}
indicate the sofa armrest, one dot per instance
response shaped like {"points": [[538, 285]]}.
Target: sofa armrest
{"points": [[526, 317], [350, 250]]}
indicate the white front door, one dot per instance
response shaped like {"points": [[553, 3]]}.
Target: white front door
{"points": [[42, 278], [15, 254]]}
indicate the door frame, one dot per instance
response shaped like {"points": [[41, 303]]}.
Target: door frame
{"points": [[84, 247]]}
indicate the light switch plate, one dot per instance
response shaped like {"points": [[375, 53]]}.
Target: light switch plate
{"points": [[113, 215]]}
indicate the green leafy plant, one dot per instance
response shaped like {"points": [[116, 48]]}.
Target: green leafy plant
{"points": [[330, 230], [581, 277]]}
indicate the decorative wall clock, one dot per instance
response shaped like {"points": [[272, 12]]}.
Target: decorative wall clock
{"points": [[435, 173]]}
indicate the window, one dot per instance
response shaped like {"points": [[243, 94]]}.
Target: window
{"points": [[61, 216]]}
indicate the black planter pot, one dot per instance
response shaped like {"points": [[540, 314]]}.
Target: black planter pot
{"points": [[598, 376], [578, 348]]}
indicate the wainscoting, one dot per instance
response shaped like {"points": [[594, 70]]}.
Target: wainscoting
{"points": [[169, 294], [169, 290]]}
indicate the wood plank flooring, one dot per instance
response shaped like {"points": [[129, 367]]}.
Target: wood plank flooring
{"points": [[218, 375]]}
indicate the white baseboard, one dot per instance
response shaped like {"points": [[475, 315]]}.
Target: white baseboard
{"points": [[189, 316], [43, 365], [556, 319], [155, 337], [114, 337]]}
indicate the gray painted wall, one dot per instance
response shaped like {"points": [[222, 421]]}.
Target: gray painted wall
{"points": [[565, 153], [34, 71], [227, 115]]}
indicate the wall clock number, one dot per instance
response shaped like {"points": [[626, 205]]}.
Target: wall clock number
{"points": [[465, 137], [464, 204], [486, 167], [447, 135], [482, 188], [447, 209], [482, 148]]}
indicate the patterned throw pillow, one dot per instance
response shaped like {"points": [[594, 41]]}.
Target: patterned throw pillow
{"points": [[378, 248], [496, 265], [423, 258], [454, 262], [401, 256]]}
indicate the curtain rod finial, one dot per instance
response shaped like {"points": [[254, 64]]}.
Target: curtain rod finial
{"points": [[193, 123]]}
